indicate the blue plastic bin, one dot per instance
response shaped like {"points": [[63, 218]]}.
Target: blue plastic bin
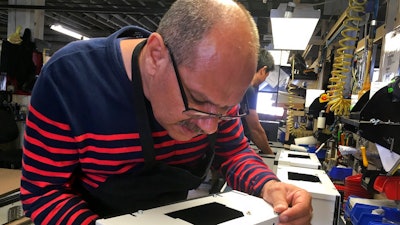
{"points": [[340, 173]]}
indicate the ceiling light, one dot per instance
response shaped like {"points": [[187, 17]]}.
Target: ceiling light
{"points": [[68, 32], [293, 25]]}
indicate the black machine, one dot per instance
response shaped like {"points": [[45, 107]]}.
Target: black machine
{"points": [[378, 119]]}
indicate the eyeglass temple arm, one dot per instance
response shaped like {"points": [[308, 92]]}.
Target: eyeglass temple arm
{"points": [[185, 100]]}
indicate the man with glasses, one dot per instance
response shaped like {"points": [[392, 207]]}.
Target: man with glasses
{"points": [[134, 120]]}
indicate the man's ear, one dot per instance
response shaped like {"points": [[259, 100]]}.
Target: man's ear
{"points": [[262, 69], [157, 54]]}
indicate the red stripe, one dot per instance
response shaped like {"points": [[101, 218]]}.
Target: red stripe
{"points": [[97, 178], [230, 128], [120, 150], [160, 133], [185, 150], [122, 170], [57, 208], [108, 162], [230, 138], [175, 142], [36, 183], [186, 160], [40, 144], [90, 183], [74, 216], [37, 114], [45, 172], [64, 215], [48, 134], [165, 144], [47, 160], [229, 153], [29, 200], [90, 219], [106, 137], [45, 206], [191, 150]]}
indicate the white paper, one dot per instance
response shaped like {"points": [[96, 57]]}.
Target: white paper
{"points": [[388, 158]]}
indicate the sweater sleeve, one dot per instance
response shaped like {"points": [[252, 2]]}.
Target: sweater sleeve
{"points": [[243, 168], [50, 155]]}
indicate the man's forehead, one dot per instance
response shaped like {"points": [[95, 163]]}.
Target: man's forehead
{"points": [[219, 89]]}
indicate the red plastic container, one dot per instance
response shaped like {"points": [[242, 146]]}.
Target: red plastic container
{"points": [[388, 185], [353, 187]]}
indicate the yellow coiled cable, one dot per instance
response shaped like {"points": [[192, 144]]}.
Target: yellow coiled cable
{"points": [[342, 62], [299, 131], [290, 118]]}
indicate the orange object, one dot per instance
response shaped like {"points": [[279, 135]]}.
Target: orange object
{"points": [[364, 156], [342, 137], [323, 98]]}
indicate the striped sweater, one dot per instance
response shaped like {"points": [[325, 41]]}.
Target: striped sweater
{"points": [[81, 116]]}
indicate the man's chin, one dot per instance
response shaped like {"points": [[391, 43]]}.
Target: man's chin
{"points": [[180, 137], [181, 133]]}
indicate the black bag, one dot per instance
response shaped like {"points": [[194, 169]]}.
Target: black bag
{"points": [[8, 126]]}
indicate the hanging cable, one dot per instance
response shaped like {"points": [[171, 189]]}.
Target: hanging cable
{"points": [[297, 129], [290, 118], [342, 62]]}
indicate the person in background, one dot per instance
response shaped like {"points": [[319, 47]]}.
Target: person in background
{"points": [[134, 120], [251, 123]]}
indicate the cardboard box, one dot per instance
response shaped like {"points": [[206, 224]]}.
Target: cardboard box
{"points": [[10, 204], [325, 197], [227, 208]]}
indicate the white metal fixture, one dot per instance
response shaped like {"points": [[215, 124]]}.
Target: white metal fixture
{"points": [[293, 25]]}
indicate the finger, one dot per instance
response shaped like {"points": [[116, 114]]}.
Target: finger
{"points": [[300, 221], [276, 195], [298, 211]]}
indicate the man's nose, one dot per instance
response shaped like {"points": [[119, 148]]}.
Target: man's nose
{"points": [[208, 125]]}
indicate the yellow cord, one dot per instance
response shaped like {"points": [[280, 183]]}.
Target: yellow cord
{"points": [[290, 118], [301, 130], [342, 62]]}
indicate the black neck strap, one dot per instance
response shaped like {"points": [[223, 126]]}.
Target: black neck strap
{"points": [[142, 117]]}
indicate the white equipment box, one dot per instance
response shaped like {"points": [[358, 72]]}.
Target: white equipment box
{"points": [[229, 208], [297, 159], [325, 197]]}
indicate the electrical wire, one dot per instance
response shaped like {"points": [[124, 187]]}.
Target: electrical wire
{"points": [[342, 62]]}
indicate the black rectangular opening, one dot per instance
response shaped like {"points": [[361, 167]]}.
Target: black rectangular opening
{"points": [[299, 156], [207, 214], [303, 177]]}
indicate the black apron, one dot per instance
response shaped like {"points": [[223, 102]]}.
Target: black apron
{"points": [[158, 183]]}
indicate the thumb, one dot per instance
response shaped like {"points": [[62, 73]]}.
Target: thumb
{"points": [[279, 202], [275, 193]]}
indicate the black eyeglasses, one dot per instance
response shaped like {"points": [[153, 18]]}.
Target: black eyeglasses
{"points": [[196, 113]]}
